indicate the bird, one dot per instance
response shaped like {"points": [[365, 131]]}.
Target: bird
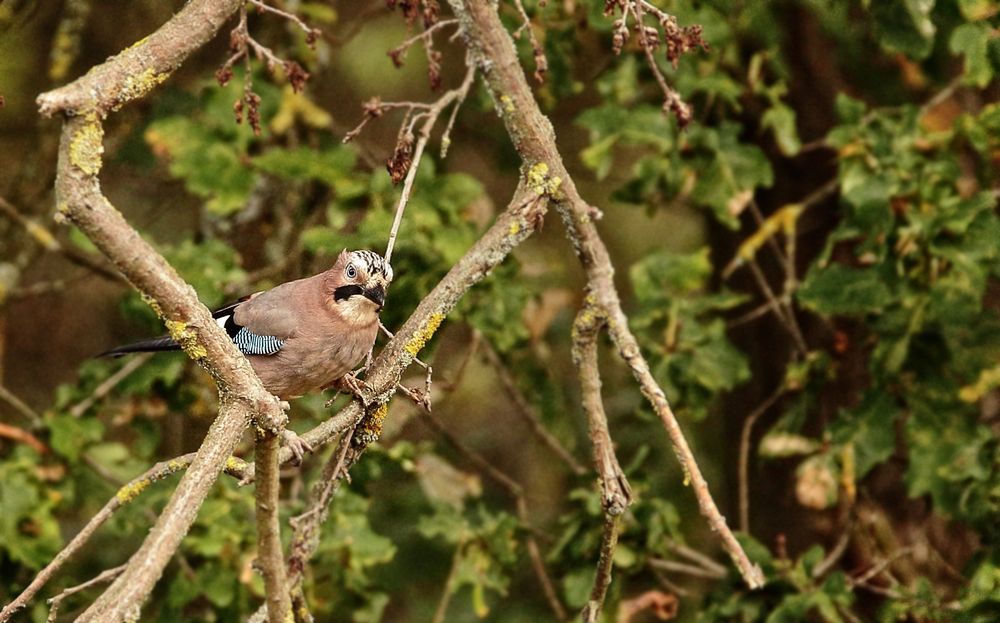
{"points": [[305, 335]]}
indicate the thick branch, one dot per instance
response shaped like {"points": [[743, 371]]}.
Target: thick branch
{"points": [[125, 77], [270, 558], [534, 139], [135, 71], [123, 600]]}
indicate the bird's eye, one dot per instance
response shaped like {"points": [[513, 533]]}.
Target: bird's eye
{"points": [[351, 271]]}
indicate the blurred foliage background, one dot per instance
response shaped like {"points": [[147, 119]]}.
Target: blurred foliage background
{"points": [[811, 267]]}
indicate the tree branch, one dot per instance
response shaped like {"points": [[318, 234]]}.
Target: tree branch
{"points": [[605, 562], [534, 140], [85, 102], [135, 71], [125, 494], [616, 494], [105, 576], [270, 558]]}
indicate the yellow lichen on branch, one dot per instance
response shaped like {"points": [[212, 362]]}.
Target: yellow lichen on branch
{"points": [[542, 183], [371, 427], [87, 146], [421, 337], [137, 86], [187, 339]]}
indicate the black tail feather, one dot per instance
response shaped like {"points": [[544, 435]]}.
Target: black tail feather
{"points": [[153, 345]]}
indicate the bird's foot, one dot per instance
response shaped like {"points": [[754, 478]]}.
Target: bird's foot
{"points": [[297, 445], [351, 384]]}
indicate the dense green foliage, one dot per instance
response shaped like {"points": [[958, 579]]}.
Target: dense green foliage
{"points": [[845, 152]]}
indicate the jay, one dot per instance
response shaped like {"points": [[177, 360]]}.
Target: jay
{"points": [[304, 335]]}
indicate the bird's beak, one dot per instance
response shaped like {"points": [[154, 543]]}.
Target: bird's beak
{"points": [[375, 294]]}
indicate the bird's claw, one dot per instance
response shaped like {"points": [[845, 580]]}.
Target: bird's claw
{"points": [[297, 445], [349, 383]]}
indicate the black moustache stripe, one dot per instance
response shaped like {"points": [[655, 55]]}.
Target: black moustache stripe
{"points": [[346, 292]]}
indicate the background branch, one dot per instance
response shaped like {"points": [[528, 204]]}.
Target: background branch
{"points": [[616, 494], [534, 140]]}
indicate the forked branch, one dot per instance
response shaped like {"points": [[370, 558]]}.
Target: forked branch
{"points": [[534, 139]]}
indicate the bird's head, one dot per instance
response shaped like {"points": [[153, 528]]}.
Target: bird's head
{"points": [[358, 281]]}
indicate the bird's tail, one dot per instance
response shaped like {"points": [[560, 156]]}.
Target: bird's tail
{"points": [[153, 345]]}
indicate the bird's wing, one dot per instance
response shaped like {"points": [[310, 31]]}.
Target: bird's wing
{"points": [[260, 324]]}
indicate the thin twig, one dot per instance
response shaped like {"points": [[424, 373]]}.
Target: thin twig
{"points": [[696, 557], [672, 101], [105, 576], [839, 549], [541, 63], [110, 383], [424, 35], [19, 435], [295, 19], [755, 313], [605, 562], [431, 116], [744, 467], [124, 495], [47, 240], [21, 407], [524, 409], [862, 580], [697, 571], [38, 288], [667, 583], [782, 308], [449, 586]]}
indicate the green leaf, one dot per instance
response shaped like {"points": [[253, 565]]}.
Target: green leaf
{"points": [[28, 532], [70, 436], [333, 166], [975, 10], [780, 119], [870, 428], [662, 275], [905, 26], [576, 587], [840, 290], [373, 611], [600, 156], [973, 42], [210, 167], [731, 172]]}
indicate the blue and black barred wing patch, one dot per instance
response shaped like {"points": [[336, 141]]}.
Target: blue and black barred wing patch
{"points": [[250, 343], [246, 340]]}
